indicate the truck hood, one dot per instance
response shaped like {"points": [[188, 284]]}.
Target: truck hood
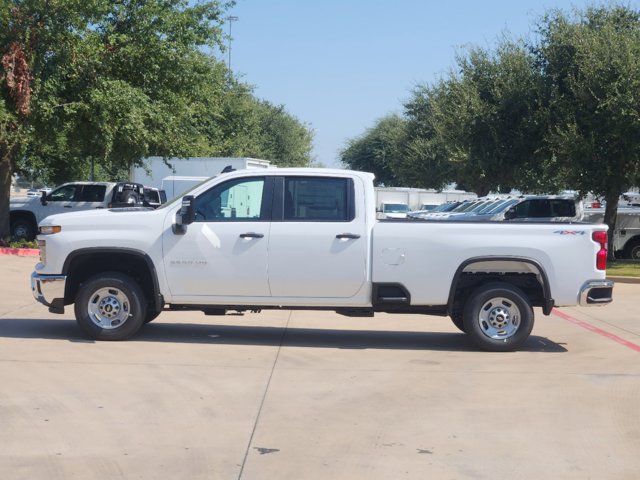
{"points": [[103, 218], [18, 202]]}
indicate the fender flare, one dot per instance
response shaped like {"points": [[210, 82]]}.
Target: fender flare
{"points": [[157, 296], [546, 289]]}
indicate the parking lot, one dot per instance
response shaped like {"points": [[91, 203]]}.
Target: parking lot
{"points": [[314, 395]]}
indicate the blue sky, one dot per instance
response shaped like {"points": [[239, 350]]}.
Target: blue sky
{"points": [[341, 65]]}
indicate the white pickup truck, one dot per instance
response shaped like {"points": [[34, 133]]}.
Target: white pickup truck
{"points": [[309, 239], [26, 212]]}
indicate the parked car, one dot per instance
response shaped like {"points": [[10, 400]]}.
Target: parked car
{"points": [[525, 208]]}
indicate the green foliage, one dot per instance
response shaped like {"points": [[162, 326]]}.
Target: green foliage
{"points": [[593, 91], [378, 150], [478, 125], [18, 243], [101, 84]]}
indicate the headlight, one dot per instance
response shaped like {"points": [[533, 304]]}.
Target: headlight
{"points": [[49, 229]]}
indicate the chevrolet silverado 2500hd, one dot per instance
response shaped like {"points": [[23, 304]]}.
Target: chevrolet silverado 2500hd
{"points": [[309, 239]]}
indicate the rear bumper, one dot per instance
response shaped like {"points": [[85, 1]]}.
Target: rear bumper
{"points": [[596, 292], [49, 290]]}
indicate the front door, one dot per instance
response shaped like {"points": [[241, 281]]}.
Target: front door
{"points": [[224, 252]]}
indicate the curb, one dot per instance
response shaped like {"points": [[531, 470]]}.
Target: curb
{"points": [[21, 252]]}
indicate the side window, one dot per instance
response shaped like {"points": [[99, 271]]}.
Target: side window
{"points": [[63, 194], [563, 208], [317, 199], [522, 209], [236, 200], [92, 193]]}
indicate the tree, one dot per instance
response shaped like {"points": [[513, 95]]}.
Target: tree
{"points": [[378, 150], [479, 123], [284, 139], [591, 65], [101, 81]]}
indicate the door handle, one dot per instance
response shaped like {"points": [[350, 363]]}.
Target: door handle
{"points": [[251, 235], [68, 206], [351, 236]]}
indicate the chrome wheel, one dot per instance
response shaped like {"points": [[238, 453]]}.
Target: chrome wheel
{"points": [[499, 318], [109, 308]]}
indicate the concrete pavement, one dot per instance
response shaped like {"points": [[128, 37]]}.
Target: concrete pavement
{"points": [[315, 395]]}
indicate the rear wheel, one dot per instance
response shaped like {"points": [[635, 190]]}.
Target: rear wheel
{"points": [[498, 317], [110, 306]]}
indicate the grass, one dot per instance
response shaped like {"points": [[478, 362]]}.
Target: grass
{"points": [[624, 268]]}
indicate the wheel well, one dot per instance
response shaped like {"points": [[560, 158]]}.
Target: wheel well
{"points": [[526, 275], [82, 266]]}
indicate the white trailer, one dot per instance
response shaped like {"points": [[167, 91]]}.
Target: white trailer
{"points": [[155, 169], [416, 197]]}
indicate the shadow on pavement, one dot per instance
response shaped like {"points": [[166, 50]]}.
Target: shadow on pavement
{"points": [[268, 336]]}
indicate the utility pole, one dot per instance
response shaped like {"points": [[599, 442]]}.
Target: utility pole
{"points": [[230, 19]]}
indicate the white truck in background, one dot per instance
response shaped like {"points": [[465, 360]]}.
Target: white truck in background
{"points": [[309, 239], [626, 235], [26, 212]]}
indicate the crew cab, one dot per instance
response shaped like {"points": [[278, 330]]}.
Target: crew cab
{"points": [[26, 212], [309, 239]]}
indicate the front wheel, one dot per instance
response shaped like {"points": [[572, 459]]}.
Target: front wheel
{"points": [[632, 250], [23, 229], [110, 306], [498, 317]]}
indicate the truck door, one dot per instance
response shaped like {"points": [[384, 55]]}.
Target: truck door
{"points": [[60, 200], [224, 252], [317, 244], [74, 197]]}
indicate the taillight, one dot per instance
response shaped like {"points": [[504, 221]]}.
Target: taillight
{"points": [[601, 257]]}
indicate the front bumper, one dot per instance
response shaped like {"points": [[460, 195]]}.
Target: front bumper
{"points": [[596, 292], [49, 290]]}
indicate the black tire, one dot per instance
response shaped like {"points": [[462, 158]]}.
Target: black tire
{"points": [[23, 229], [632, 250], [151, 315], [110, 306], [498, 317], [458, 320]]}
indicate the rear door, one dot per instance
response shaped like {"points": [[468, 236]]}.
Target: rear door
{"points": [[317, 244]]}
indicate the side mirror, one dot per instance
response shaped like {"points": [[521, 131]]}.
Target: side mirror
{"points": [[43, 198], [510, 214], [186, 215]]}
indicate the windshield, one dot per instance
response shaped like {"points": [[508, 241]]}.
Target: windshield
{"points": [[395, 208], [446, 207], [180, 195], [501, 207]]}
